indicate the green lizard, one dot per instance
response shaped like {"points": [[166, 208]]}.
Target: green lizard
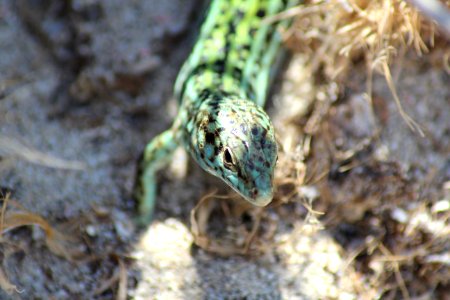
{"points": [[221, 89]]}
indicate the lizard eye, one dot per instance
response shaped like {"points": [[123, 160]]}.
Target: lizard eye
{"points": [[228, 160]]}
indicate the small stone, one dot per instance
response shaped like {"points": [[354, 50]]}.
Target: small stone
{"points": [[399, 215], [441, 206], [91, 230]]}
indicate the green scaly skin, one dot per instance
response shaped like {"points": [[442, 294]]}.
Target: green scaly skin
{"points": [[221, 90]]}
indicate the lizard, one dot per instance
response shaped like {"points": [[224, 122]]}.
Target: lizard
{"points": [[221, 90]]}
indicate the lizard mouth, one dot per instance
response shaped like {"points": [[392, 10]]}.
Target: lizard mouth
{"points": [[257, 197], [262, 192], [260, 197], [261, 200]]}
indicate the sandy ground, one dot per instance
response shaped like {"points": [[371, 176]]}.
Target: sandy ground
{"points": [[84, 85]]}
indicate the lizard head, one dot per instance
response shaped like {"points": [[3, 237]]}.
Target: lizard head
{"points": [[234, 140]]}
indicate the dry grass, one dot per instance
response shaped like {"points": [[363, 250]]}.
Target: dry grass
{"points": [[239, 239], [402, 250], [66, 243], [12, 216], [11, 148], [338, 32]]}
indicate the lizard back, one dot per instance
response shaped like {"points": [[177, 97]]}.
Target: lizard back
{"points": [[234, 51]]}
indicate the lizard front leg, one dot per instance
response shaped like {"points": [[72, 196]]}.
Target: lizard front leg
{"points": [[156, 155]]}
